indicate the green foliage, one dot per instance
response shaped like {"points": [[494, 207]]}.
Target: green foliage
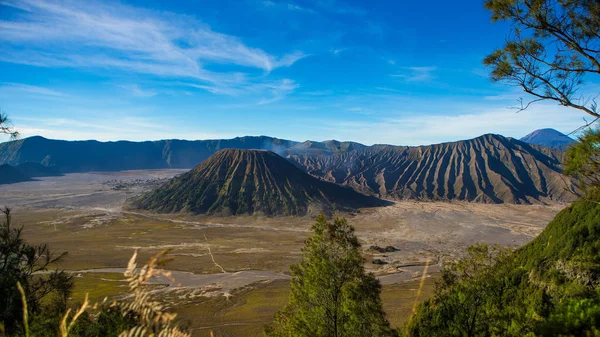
{"points": [[331, 295], [550, 286], [552, 48], [45, 292], [582, 159], [28, 265], [573, 318], [109, 322]]}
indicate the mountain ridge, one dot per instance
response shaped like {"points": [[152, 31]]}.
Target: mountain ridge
{"points": [[91, 155], [490, 169]]}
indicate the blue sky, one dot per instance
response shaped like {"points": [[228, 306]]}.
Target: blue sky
{"points": [[395, 72]]}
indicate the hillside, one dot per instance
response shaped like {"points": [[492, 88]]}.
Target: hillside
{"points": [[490, 168], [11, 175], [32, 169], [234, 182], [548, 287], [549, 138]]}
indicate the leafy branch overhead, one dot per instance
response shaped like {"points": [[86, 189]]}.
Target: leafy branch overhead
{"points": [[553, 49], [6, 126]]}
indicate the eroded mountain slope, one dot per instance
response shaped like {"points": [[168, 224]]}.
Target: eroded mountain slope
{"points": [[490, 168]]}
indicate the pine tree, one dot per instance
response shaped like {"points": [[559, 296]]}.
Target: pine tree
{"points": [[552, 50], [331, 295]]}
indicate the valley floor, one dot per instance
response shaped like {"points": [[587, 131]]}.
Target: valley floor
{"points": [[83, 214]]}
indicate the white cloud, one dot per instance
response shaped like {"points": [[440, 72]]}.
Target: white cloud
{"points": [[296, 8], [359, 110], [135, 90], [416, 74], [423, 129], [268, 91], [118, 37], [337, 51], [125, 128], [30, 89], [278, 91]]}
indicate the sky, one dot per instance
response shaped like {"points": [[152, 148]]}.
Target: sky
{"points": [[375, 72]]}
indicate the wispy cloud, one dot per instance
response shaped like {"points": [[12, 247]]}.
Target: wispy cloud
{"points": [[340, 8], [359, 110], [317, 93], [423, 129], [94, 35], [388, 90], [337, 51], [31, 89], [279, 91], [509, 95], [297, 8], [271, 90], [416, 74], [135, 90], [124, 128]]}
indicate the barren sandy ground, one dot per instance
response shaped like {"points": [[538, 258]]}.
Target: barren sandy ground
{"points": [[82, 191], [83, 214]]}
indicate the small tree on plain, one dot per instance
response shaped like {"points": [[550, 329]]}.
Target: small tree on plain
{"points": [[331, 295]]}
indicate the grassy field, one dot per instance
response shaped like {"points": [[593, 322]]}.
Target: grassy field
{"points": [[112, 243], [106, 238], [249, 309]]}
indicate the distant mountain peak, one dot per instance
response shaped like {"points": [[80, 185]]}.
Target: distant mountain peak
{"points": [[549, 138]]}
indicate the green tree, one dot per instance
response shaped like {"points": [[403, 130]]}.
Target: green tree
{"points": [[28, 264], [463, 304], [331, 295], [553, 47], [549, 287], [582, 159]]}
